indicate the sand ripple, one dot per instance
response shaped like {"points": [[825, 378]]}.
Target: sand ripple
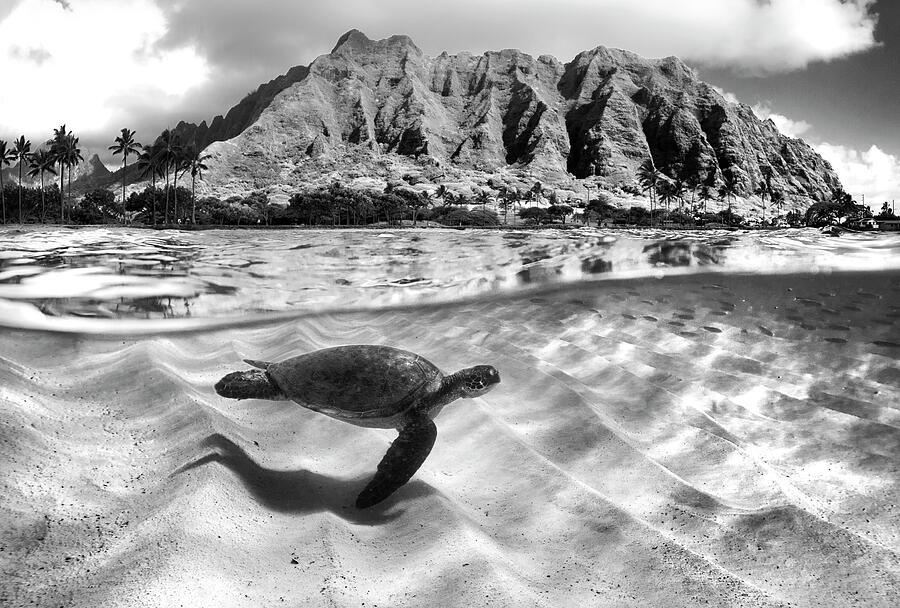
{"points": [[668, 442]]}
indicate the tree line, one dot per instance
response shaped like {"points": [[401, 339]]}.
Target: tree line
{"points": [[689, 185], [694, 185], [167, 158]]}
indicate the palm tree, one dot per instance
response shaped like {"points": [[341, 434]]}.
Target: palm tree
{"points": [[194, 163], [705, 195], [482, 198], [678, 191], [168, 148], [693, 182], [649, 176], [668, 192], [149, 164], [22, 151], [778, 201], [587, 205], [729, 188], [42, 162], [764, 190], [125, 145], [444, 194], [536, 192], [73, 157], [6, 158], [514, 196], [179, 164], [58, 150]]}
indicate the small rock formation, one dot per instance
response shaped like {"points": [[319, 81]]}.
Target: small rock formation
{"points": [[85, 176], [382, 107], [91, 174]]}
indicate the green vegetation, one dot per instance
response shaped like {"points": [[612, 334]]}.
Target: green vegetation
{"points": [[23, 153], [841, 206], [42, 162], [125, 145], [887, 212], [6, 158], [649, 177], [689, 184], [764, 190]]}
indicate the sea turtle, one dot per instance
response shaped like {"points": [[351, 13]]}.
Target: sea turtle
{"points": [[370, 386]]}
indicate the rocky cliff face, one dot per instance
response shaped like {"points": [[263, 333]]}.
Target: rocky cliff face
{"points": [[240, 116], [383, 107]]}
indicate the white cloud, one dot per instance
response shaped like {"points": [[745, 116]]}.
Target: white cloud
{"points": [[750, 35], [873, 172], [727, 95], [791, 128], [77, 62], [769, 36], [100, 65]]}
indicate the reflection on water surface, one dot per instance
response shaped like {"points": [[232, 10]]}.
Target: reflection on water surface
{"points": [[140, 274]]}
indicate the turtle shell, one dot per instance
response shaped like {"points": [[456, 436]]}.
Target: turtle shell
{"points": [[354, 382]]}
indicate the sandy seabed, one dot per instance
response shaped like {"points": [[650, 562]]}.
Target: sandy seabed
{"points": [[705, 440]]}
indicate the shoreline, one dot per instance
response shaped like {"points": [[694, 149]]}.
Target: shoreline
{"points": [[500, 227]]}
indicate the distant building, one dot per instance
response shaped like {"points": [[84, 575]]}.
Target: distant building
{"points": [[863, 223], [888, 224]]}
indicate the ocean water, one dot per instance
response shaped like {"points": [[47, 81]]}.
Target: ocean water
{"points": [[683, 419]]}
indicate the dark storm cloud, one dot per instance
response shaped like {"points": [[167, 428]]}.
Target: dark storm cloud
{"points": [[244, 36], [64, 3]]}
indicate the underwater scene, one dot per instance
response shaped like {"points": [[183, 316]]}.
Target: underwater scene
{"points": [[677, 418]]}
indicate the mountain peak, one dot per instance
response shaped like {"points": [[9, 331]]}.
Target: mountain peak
{"points": [[354, 39], [597, 117]]}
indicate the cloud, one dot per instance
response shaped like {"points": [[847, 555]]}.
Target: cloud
{"points": [[728, 95], [37, 56], [149, 63], [92, 74], [246, 43], [748, 35], [7, 7], [873, 172], [791, 128], [787, 126]]}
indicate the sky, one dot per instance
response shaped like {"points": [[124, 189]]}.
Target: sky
{"points": [[822, 70]]}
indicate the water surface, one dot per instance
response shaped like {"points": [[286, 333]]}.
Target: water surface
{"points": [[683, 418]]}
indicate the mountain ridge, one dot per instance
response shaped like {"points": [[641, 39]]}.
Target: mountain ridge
{"points": [[377, 112], [384, 108]]}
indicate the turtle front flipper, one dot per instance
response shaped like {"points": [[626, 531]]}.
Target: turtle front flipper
{"points": [[259, 364], [402, 460]]}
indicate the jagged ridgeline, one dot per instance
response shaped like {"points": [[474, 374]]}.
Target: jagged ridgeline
{"points": [[602, 114]]}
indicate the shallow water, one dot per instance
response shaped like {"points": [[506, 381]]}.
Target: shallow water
{"points": [[682, 418]]}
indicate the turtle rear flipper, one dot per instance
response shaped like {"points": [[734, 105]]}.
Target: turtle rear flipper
{"points": [[402, 460], [259, 364]]}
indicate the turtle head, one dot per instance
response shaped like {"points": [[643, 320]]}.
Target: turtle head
{"points": [[476, 381], [253, 384]]}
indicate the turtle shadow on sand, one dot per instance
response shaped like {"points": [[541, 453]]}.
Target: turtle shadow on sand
{"points": [[301, 491]]}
